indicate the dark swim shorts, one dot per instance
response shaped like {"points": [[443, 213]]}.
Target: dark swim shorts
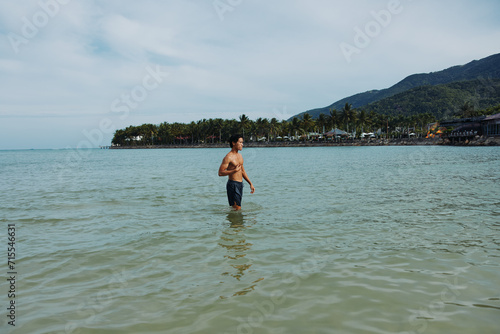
{"points": [[234, 192]]}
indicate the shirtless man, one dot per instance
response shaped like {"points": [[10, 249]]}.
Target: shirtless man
{"points": [[232, 166]]}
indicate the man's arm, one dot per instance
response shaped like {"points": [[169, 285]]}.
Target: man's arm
{"points": [[245, 176], [224, 165]]}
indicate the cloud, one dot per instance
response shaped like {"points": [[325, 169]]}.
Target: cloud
{"points": [[261, 58]]}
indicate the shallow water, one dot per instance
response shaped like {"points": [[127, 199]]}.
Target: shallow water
{"points": [[334, 240]]}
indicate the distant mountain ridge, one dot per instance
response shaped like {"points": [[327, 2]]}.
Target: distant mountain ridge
{"points": [[442, 101], [482, 70]]}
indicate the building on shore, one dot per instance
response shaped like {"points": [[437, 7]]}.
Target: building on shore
{"points": [[488, 126], [491, 125]]}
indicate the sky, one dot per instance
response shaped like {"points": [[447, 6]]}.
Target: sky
{"points": [[74, 71]]}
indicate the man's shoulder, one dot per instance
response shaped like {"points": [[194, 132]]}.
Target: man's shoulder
{"points": [[229, 156]]}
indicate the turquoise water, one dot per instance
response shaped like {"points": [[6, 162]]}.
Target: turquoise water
{"points": [[334, 240]]}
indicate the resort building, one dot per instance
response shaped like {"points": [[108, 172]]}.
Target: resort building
{"points": [[491, 125], [487, 126]]}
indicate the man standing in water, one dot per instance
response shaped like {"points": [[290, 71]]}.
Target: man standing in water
{"points": [[232, 166]]}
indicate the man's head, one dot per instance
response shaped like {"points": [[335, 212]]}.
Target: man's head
{"points": [[235, 139]]}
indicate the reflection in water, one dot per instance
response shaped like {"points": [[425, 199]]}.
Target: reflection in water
{"points": [[234, 241], [236, 218]]}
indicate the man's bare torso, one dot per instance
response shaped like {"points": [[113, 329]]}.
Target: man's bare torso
{"points": [[235, 160]]}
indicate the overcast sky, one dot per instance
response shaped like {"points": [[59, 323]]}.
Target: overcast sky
{"points": [[73, 71]]}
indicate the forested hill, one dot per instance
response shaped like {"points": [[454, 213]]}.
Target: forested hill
{"points": [[483, 70], [441, 101]]}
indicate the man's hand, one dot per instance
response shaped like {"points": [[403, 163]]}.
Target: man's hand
{"points": [[252, 189]]}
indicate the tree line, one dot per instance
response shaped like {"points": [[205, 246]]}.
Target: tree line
{"points": [[218, 130]]}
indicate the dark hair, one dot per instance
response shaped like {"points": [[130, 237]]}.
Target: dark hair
{"points": [[234, 139]]}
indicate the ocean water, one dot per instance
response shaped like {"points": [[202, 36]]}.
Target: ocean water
{"points": [[334, 240]]}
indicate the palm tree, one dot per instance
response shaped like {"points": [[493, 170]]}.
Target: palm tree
{"points": [[346, 115], [164, 133], [177, 131], [260, 126], [266, 127], [333, 118], [231, 127], [119, 137], [307, 122], [349, 116], [244, 120], [378, 121], [219, 124], [252, 128], [285, 128], [321, 122], [148, 132], [295, 126], [211, 129], [362, 120], [194, 130], [202, 130], [273, 127]]}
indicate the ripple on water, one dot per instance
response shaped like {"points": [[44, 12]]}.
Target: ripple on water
{"points": [[374, 240]]}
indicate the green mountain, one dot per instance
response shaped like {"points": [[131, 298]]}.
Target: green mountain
{"points": [[477, 72], [442, 101]]}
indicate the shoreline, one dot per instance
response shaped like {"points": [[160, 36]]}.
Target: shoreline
{"points": [[480, 141]]}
